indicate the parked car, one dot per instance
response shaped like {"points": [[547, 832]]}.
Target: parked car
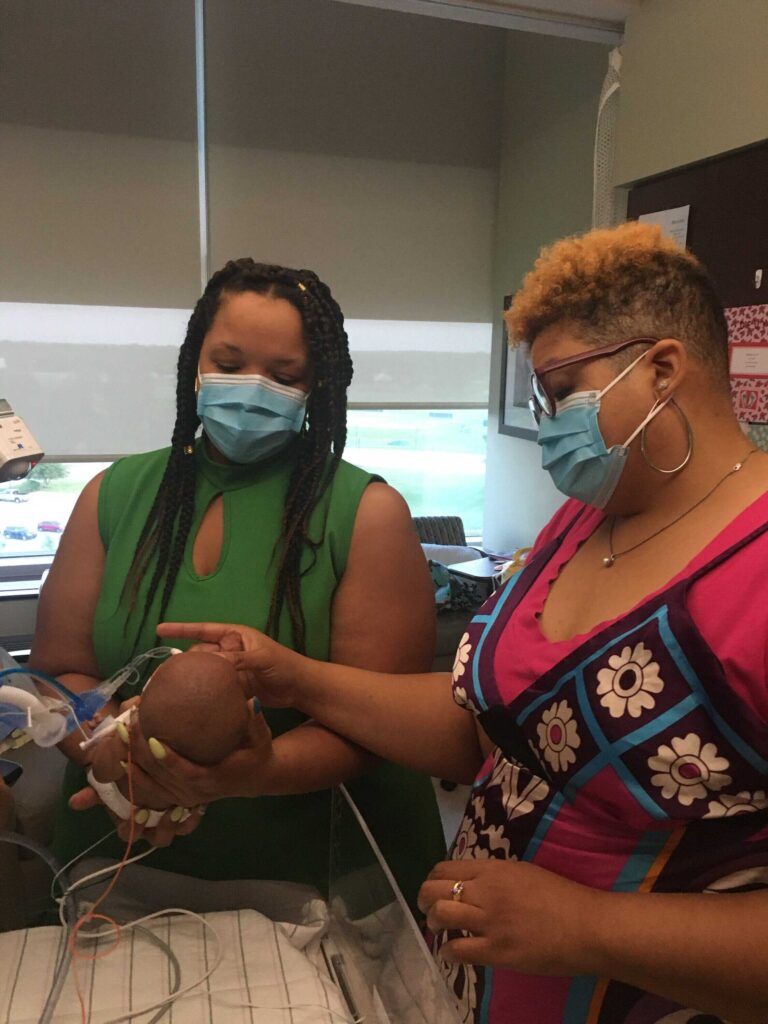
{"points": [[49, 526], [19, 533], [13, 496]]}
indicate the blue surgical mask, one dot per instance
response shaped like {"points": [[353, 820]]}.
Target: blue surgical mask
{"points": [[574, 452], [249, 417]]}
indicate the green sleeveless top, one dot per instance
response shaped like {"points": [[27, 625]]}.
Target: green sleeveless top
{"points": [[284, 837]]}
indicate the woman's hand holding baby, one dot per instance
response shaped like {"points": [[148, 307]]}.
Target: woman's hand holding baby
{"points": [[266, 669], [162, 778], [189, 739]]}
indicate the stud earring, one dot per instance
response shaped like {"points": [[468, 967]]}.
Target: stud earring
{"points": [[663, 385]]}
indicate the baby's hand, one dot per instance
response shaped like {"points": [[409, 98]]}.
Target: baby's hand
{"points": [[108, 755], [159, 802]]}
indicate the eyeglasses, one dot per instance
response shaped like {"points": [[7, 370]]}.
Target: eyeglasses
{"points": [[542, 401]]}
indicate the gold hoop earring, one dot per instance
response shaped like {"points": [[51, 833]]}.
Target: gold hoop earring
{"points": [[688, 434]]}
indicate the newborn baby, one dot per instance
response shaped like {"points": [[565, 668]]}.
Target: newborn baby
{"points": [[194, 704]]}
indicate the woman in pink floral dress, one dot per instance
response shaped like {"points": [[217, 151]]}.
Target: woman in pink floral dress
{"points": [[610, 702]]}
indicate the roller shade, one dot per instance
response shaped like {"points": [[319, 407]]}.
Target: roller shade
{"points": [[100, 380]]}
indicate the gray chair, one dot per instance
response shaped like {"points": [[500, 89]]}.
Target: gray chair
{"points": [[440, 530]]}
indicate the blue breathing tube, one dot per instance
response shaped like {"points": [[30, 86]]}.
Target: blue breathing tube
{"points": [[84, 705], [60, 718]]}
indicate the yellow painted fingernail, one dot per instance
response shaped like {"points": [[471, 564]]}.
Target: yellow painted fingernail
{"points": [[177, 813], [122, 732], [15, 734], [141, 816], [124, 765], [157, 748]]}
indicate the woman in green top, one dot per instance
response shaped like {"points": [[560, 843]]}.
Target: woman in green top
{"points": [[261, 522]]}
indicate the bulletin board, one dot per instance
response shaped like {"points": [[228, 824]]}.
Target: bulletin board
{"points": [[727, 228], [728, 219]]}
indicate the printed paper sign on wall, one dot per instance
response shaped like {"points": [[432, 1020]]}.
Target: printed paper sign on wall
{"points": [[748, 351]]}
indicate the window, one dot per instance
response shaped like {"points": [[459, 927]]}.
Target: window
{"points": [[33, 514], [418, 412], [434, 457], [130, 179]]}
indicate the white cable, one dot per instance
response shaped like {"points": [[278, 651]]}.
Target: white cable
{"points": [[102, 871], [105, 932], [172, 997], [109, 869], [87, 879], [78, 856]]}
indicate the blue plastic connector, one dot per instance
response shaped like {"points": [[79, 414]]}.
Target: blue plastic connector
{"points": [[86, 704]]}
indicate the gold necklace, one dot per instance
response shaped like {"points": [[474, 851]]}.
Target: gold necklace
{"points": [[612, 555]]}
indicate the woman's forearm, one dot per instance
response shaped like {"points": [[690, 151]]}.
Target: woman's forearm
{"points": [[704, 951], [411, 720], [310, 758]]}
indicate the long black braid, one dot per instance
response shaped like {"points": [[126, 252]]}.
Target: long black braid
{"points": [[165, 532]]}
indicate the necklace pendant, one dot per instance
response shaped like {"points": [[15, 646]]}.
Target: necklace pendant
{"points": [[608, 561]]}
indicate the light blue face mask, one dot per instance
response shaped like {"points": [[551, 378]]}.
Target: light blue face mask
{"points": [[574, 452], [249, 417]]}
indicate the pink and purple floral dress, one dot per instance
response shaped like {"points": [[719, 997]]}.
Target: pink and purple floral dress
{"points": [[633, 758]]}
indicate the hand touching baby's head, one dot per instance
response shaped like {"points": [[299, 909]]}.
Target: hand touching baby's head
{"points": [[195, 705]]}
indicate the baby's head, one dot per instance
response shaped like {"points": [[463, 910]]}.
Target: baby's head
{"points": [[195, 704]]}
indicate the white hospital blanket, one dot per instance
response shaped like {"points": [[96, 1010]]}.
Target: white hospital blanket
{"points": [[260, 966]]}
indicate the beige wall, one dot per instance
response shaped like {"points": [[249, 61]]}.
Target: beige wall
{"points": [[552, 87], [694, 83]]}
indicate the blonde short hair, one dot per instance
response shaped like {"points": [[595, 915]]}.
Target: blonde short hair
{"points": [[616, 283]]}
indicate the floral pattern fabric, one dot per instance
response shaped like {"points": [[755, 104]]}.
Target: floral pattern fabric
{"points": [[558, 736], [629, 681], [630, 764]]}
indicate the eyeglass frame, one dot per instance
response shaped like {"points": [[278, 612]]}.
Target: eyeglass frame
{"points": [[538, 387]]}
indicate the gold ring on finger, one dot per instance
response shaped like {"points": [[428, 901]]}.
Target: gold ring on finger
{"points": [[457, 890]]}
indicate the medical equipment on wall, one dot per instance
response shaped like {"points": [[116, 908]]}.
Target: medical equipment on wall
{"points": [[27, 715], [19, 451]]}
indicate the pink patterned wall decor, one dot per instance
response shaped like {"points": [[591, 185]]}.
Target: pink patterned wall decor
{"points": [[748, 356]]}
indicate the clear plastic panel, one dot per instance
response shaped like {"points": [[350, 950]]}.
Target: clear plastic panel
{"points": [[374, 948]]}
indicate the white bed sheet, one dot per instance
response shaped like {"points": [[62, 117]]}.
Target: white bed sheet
{"points": [[261, 965]]}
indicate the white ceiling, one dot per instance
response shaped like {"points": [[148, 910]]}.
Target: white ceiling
{"points": [[595, 20]]}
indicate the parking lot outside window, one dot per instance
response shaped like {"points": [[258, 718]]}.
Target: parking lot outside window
{"points": [[434, 457], [34, 511]]}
